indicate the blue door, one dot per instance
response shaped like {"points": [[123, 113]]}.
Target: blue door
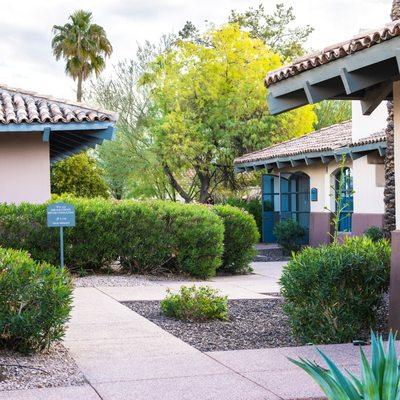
{"points": [[346, 204], [269, 214]]}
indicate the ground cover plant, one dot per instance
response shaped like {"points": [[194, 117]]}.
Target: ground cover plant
{"points": [[195, 304], [332, 292], [241, 235], [380, 379], [35, 302]]}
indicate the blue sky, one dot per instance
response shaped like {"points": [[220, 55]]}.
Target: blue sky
{"points": [[25, 29]]}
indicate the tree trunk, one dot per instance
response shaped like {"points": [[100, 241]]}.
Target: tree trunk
{"points": [[174, 183], [204, 187], [389, 223], [79, 89]]}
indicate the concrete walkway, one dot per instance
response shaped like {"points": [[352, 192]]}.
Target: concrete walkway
{"points": [[124, 356]]}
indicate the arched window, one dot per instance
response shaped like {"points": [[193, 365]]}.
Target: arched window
{"points": [[344, 198]]}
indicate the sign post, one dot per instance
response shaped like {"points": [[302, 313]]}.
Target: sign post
{"points": [[60, 215]]}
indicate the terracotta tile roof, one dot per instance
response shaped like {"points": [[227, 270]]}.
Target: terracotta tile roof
{"points": [[334, 52], [326, 139], [18, 106]]}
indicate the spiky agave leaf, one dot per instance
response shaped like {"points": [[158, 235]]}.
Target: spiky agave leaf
{"points": [[380, 378]]}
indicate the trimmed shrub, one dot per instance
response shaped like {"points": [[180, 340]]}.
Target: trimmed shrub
{"points": [[241, 236], [35, 302], [289, 234], [332, 292], [195, 304], [160, 234], [253, 207], [91, 245], [145, 237], [374, 233]]}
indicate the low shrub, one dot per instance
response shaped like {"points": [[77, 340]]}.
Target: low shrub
{"points": [[195, 304], [35, 302], [289, 234], [253, 207], [156, 235], [332, 292], [374, 233], [146, 237], [241, 236]]}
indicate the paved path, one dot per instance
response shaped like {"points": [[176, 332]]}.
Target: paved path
{"points": [[124, 356]]}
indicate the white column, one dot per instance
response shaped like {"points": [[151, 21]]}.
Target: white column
{"points": [[396, 112]]}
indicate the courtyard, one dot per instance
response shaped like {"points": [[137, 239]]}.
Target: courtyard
{"points": [[125, 356]]}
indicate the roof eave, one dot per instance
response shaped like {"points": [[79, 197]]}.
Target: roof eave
{"points": [[325, 156], [351, 77]]}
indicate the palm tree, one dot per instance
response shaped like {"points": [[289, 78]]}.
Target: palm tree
{"points": [[83, 45]]}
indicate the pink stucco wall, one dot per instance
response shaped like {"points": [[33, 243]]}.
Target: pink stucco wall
{"points": [[24, 168]]}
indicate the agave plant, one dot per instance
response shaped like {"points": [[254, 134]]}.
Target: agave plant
{"points": [[380, 379]]}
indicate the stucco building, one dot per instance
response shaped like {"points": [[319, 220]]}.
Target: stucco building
{"points": [[300, 179], [36, 131]]}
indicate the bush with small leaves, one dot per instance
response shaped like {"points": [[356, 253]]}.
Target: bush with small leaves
{"points": [[374, 233], [240, 238], [195, 304], [332, 293], [289, 234], [35, 302], [252, 206]]}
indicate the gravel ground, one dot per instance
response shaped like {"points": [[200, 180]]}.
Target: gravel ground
{"points": [[252, 324], [113, 280], [127, 280], [54, 367]]}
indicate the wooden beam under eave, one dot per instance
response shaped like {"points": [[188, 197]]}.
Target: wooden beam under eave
{"points": [[296, 163], [326, 159], [363, 78], [278, 105], [310, 161], [375, 96]]}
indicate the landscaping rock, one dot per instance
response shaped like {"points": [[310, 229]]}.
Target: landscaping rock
{"points": [[252, 324], [54, 367]]}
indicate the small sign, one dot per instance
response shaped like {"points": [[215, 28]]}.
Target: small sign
{"points": [[60, 215], [314, 194]]}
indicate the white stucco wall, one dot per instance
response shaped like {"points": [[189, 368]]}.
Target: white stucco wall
{"points": [[24, 168], [365, 125], [368, 196]]}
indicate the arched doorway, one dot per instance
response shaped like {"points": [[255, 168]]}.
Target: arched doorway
{"points": [[344, 198], [285, 196]]}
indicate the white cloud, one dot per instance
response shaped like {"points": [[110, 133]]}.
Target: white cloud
{"points": [[25, 29]]}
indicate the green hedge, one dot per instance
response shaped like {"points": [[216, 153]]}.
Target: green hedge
{"points": [[332, 292], [241, 236], [160, 234], [35, 302], [144, 236], [253, 207]]}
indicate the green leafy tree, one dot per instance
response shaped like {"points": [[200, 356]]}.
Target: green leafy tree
{"points": [[208, 107], [330, 112], [274, 29], [83, 45], [80, 176], [131, 167]]}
